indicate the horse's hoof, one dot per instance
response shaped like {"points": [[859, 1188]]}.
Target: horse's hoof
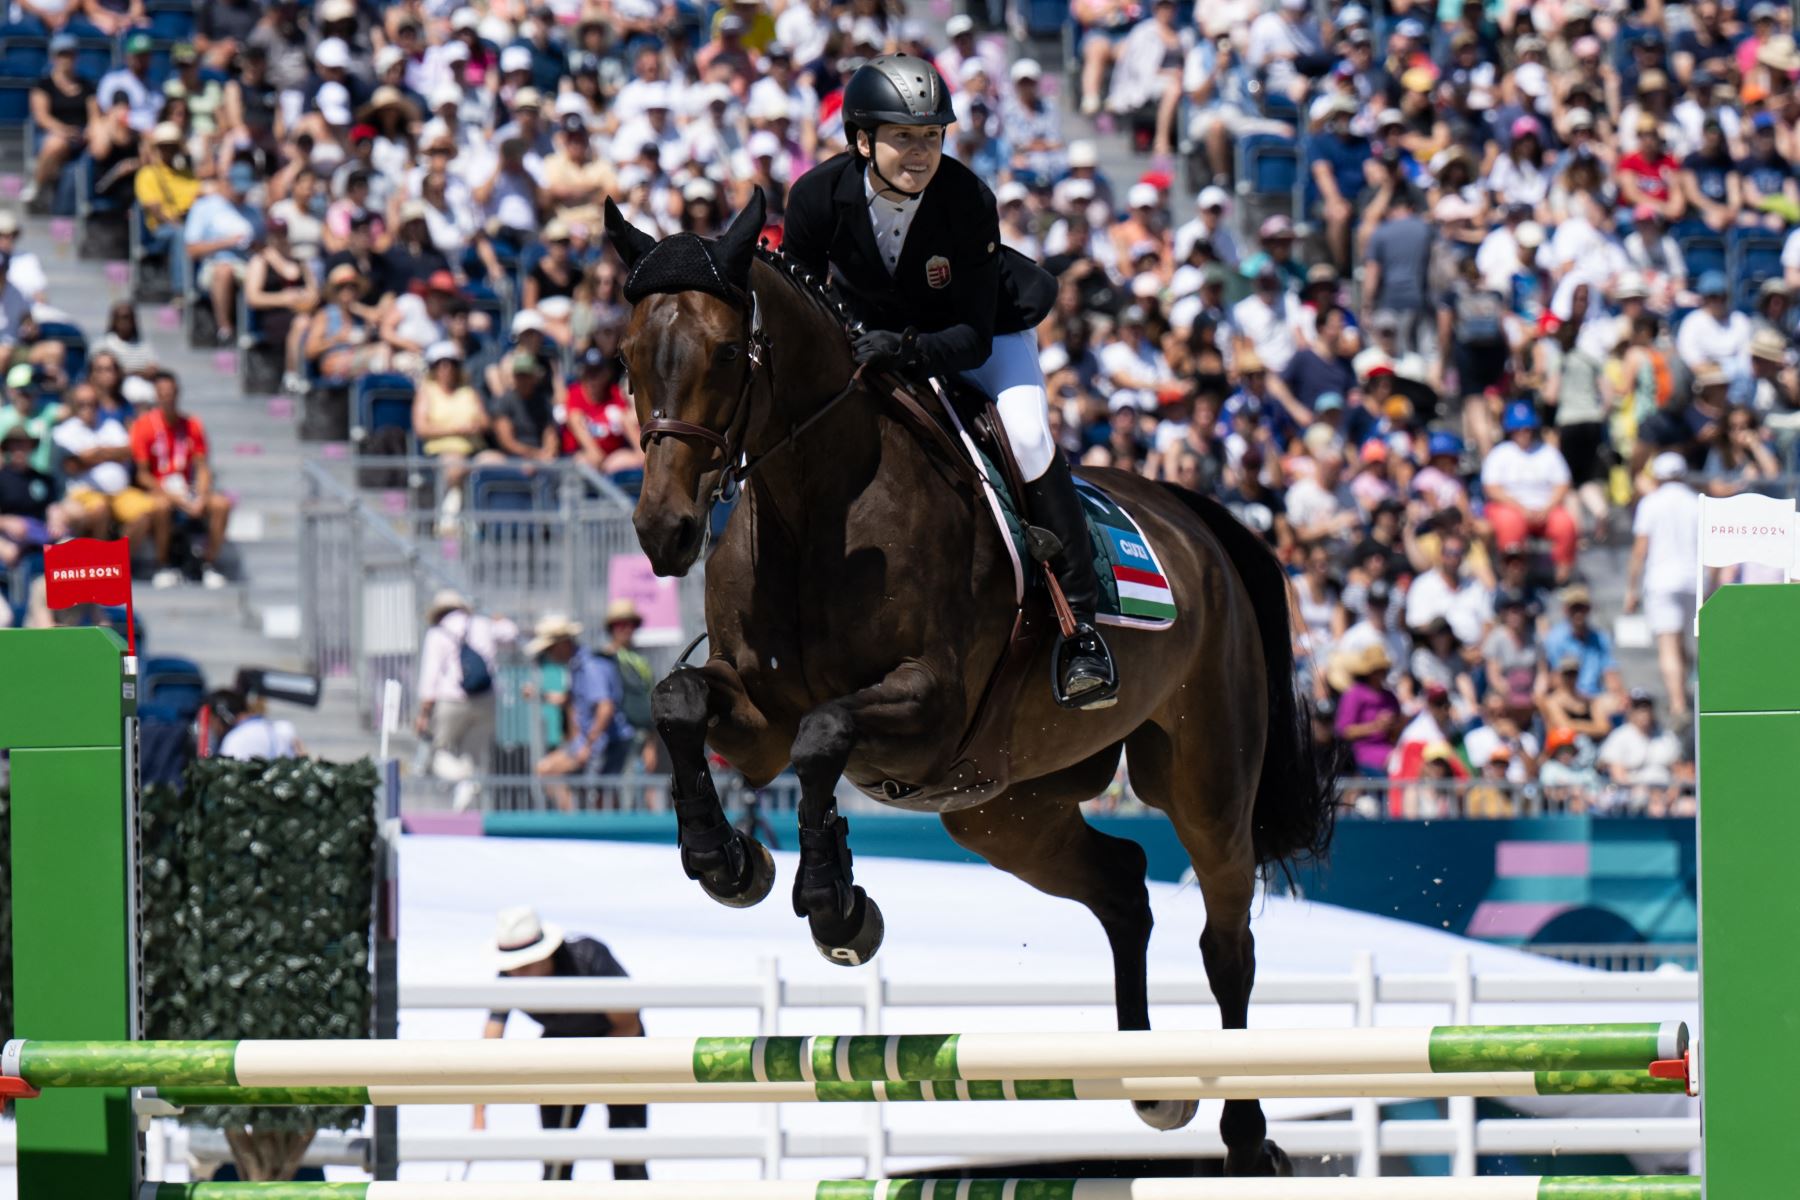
{"points": [[1267, 1159], [1165, 1114], [854, 941], [753, 883]]}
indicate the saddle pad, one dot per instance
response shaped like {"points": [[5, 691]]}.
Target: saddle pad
{"points": [[1134, 592]]}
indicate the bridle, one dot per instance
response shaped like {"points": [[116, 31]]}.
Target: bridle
{"points": [[758, 351]]}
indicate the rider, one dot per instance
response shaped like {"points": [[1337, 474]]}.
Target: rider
{"points": [[912, 243]]}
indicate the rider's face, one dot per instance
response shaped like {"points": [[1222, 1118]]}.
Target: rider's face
{"points": [[908, 155]]}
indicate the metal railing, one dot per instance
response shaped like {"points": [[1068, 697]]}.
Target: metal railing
{"points": [[1485, 799]]}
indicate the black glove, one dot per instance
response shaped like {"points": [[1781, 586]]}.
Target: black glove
{"points": [[883, 348]]}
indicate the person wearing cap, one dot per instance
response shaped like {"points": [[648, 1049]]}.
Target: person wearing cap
{"points": [[1526, 481], [600, 738], [34, 406], [911, 237], [1711, 181], [412, 257], [1661, 573], [1264, 322], [525, 946], [1033, 125], [60, 104], [1773, 385], [452, 425], [576, 178], [525, 425], [419, 318], [1771, 195], [132, 81], [600, 424], [1339, 157], [458, 663], [97, 464], [340, 339], [1715, 334], [217, 236], [1577, 637], [1211, 204], [30, 515]]}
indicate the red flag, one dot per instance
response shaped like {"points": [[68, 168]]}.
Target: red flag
{"points": [[87, 571]]}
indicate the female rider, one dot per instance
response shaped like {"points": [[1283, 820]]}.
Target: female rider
{"points": [[911, 242]]}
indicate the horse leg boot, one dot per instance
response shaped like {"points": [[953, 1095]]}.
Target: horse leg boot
{"points": [[734, 868], [846, 924], [1085, 674]]}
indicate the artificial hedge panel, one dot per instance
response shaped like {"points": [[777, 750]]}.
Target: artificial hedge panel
{"points": [[258, 886], [6, 988]]}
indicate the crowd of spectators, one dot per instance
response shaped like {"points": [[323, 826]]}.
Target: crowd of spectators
{"points": [[1529, 295]]}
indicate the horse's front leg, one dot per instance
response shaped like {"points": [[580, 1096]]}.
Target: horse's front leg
{"points": [[689, 706], [846, 924]]}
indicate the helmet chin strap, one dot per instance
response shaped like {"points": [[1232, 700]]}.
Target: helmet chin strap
{"points": [[889, 185]]}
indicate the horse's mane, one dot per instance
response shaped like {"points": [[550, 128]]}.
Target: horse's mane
{"points": [[810, 288]]}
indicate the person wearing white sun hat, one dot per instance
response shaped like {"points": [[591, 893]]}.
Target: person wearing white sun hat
{"points": [[526, 946]]}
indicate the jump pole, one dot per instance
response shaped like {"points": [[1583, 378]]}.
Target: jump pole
{"points": [[156, 1101], [860, 1057], [1491, 1187], [68, 715]]}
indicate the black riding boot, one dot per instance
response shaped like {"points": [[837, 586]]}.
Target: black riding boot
{"points": [[1085, 675]]}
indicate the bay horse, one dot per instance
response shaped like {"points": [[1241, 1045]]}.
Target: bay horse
{"points": [[858, 601]]}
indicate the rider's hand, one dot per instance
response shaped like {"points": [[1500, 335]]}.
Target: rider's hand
{"points": [[881, 348]]}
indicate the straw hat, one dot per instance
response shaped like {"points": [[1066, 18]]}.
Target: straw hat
{"points": [[623, 611], [1370, 658], [551, 630], [447, 600], [522, 939]]}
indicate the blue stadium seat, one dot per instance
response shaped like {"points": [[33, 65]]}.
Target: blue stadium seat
{"points": [[176, 683], [1703, 253], [75, 346], [382, 402], [1755, 254], [24, 57], [177, 23], [15, 102], [1269, 165], [509, 489]]}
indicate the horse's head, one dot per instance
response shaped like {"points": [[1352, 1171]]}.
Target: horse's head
{"points": [[691, 356]]}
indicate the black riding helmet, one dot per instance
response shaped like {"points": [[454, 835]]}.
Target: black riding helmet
{"points": [[894, 89]]}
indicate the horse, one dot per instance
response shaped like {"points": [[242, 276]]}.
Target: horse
{"points": [[858, 601]]}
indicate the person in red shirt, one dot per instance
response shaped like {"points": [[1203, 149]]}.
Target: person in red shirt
{"points": [[170, 450], [600, 427], [1650, 175]]}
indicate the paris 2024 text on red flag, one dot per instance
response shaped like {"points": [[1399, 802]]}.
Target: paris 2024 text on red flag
{"points": [[89, 571]]}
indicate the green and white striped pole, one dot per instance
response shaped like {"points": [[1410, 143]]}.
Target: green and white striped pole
{"points": [[894, 1058], [1510, 1187], [1220, 1087]]}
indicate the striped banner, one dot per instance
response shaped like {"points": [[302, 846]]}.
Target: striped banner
{"points": [[901, 1058], [1491, 1187]]}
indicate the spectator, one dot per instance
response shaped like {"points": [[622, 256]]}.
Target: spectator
{"points": [[97, 459], [457, 664], [1397, 265], [339, 339], [1147, 72], [32, 407], [30, 518], [1640, 757], [1568, 785], [280, 293], [451, 424], [1451, 592], [1574, 383], [131, 83], [1526, 482], [125, 341], [601, 738], [218, 234], [524, 418], [1368, 716], [1662, 575], [1033, 126], [601, 426], [62, 107], [167, 188], [170, 450], [1713, 333], [1576, 636], [249, 734]]}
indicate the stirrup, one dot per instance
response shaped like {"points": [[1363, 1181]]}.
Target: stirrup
{"points": [[1090, 688]]}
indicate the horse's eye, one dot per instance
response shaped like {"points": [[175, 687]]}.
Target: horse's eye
{"points": [[728, 352]]}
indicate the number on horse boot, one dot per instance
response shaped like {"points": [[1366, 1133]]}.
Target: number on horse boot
{"points": [[846, 925], [734, 868]]}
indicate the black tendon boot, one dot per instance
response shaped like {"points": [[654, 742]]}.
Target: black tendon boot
{"points": [[1085, 674]]}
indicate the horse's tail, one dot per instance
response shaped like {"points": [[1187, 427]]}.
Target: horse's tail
{"points": [[1295, 802]]}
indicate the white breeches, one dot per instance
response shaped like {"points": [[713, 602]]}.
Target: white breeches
{"points": [[1011, 375]]}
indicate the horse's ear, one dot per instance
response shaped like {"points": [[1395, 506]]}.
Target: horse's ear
{"points": [[631, 242], [737, 244]]}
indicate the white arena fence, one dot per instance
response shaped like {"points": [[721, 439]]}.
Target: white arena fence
{"points": [[1362, 997]]}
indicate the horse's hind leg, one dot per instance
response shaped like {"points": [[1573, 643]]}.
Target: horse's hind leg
{"points": [[1207, 788], [734, 868], [1036, 832]]}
